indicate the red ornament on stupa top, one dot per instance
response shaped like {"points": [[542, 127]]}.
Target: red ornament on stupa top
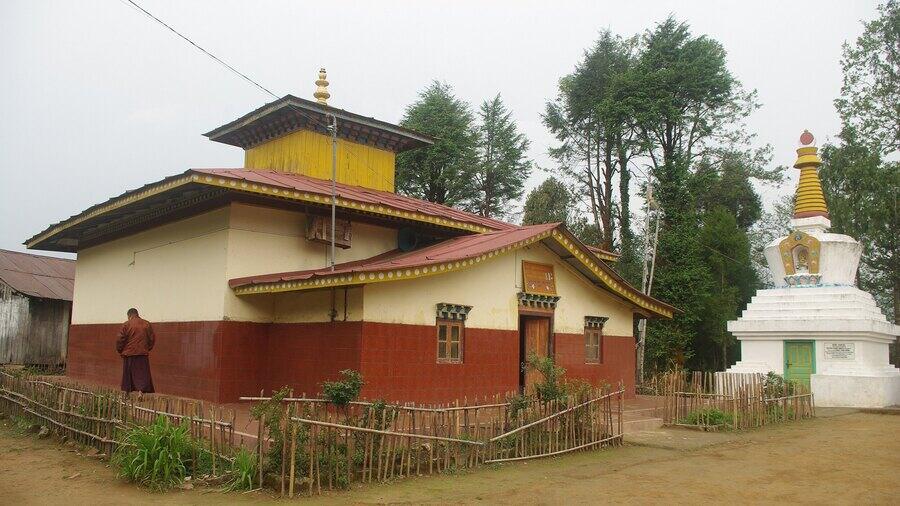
{"points": [[806, 138]]}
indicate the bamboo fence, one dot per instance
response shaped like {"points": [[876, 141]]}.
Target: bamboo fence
{"points": [[710, 401], [314, 445], [95, 416]]}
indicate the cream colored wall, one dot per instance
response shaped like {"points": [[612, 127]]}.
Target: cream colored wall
{"points": [[315, 306], [180, 271], [174, 272], [263, 240], [579, 298], [491, 288]]}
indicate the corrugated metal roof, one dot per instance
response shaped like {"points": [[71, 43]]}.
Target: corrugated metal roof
{"points": [[38, 275], [360, 194], [458, 248]]}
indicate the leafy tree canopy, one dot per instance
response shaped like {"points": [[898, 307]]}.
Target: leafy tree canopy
{"points": [[550, 202], [870, 95], [861, 191]]}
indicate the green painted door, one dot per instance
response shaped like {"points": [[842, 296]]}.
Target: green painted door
{"points": [[799, 361]]}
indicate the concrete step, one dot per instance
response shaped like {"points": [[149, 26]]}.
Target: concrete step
{"points": [[787, 312], [811, 305]]}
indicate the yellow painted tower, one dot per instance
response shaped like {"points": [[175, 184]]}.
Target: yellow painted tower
{"points": [[809, 199], [292, 135]]}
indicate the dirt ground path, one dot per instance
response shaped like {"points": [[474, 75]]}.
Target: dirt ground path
{"points": [[849, 458]]}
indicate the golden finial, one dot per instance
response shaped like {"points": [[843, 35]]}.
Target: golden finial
{"points": [[321, 93], [809, 201]]}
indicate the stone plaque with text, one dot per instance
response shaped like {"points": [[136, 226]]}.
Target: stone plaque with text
{"points": [[840, 351]]}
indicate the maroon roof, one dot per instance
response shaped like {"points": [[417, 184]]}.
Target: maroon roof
{"points": [[38, 275], [356, 193], [458, 248]]}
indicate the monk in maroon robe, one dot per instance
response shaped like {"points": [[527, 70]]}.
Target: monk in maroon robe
{"points": [[134, 343]]}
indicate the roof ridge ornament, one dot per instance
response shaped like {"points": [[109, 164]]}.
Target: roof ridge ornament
{"points": [[321, 95]]}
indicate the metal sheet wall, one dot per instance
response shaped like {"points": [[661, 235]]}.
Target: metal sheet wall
{"points": [[32, 330]]}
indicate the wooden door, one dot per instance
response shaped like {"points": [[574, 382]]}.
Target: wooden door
{"points": [[799, 361], [536, 337]]}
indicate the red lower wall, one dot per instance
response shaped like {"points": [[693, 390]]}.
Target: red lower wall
{"points": [[617, 363], [399, 364], [221, 361], [206, 360], [303, 355]]}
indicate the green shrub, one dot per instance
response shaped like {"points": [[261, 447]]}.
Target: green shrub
{"points": [[517, 404], [341, 393], [712, 417], [380, 412], [773, 385], [272, 411], [243, 470], [551, 388], [578, 388], [155, 455]]}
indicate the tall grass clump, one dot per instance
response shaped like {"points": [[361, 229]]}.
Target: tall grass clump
{"points": [[243, 470], [156, 455]]}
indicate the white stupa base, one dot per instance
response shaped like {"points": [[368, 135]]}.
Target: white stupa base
{"points": [[856, 391], [849, 336]]}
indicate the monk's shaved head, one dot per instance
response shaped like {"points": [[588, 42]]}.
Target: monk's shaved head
{"points": [[132, 312]]}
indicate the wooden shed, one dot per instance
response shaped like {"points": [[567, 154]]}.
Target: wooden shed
{"points": [[35, 308]]}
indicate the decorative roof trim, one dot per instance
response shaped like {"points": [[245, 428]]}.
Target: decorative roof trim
{"points": [[342, 202], [538, 301], [611, 281], [361, 278], [609, 256], [595, 321], [111, 205], [193, 176], [447, 311]]}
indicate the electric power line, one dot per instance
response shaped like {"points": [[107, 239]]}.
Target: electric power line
{"points": [[204, 51], [247, 78]]}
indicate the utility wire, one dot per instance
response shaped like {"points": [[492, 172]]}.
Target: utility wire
{"points": [[247, 78], [204, 51]]}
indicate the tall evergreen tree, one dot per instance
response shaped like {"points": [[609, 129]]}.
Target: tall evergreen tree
{"points": [[502, 166], [595, 133], [444, 172]]}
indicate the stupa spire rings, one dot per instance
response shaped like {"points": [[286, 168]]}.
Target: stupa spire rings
{"points": [[321, 95], [809, 200]]}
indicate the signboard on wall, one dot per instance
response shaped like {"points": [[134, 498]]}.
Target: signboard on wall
{"points": [[840, 351], [538, 278]]}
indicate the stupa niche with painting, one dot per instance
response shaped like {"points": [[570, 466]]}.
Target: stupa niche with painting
{"points": [[816, 326]]}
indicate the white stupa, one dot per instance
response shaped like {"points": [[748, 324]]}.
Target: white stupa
{"points": [[816, 326]]}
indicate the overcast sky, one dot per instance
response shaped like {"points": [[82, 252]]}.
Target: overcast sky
{"points": [[96, 98]]}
